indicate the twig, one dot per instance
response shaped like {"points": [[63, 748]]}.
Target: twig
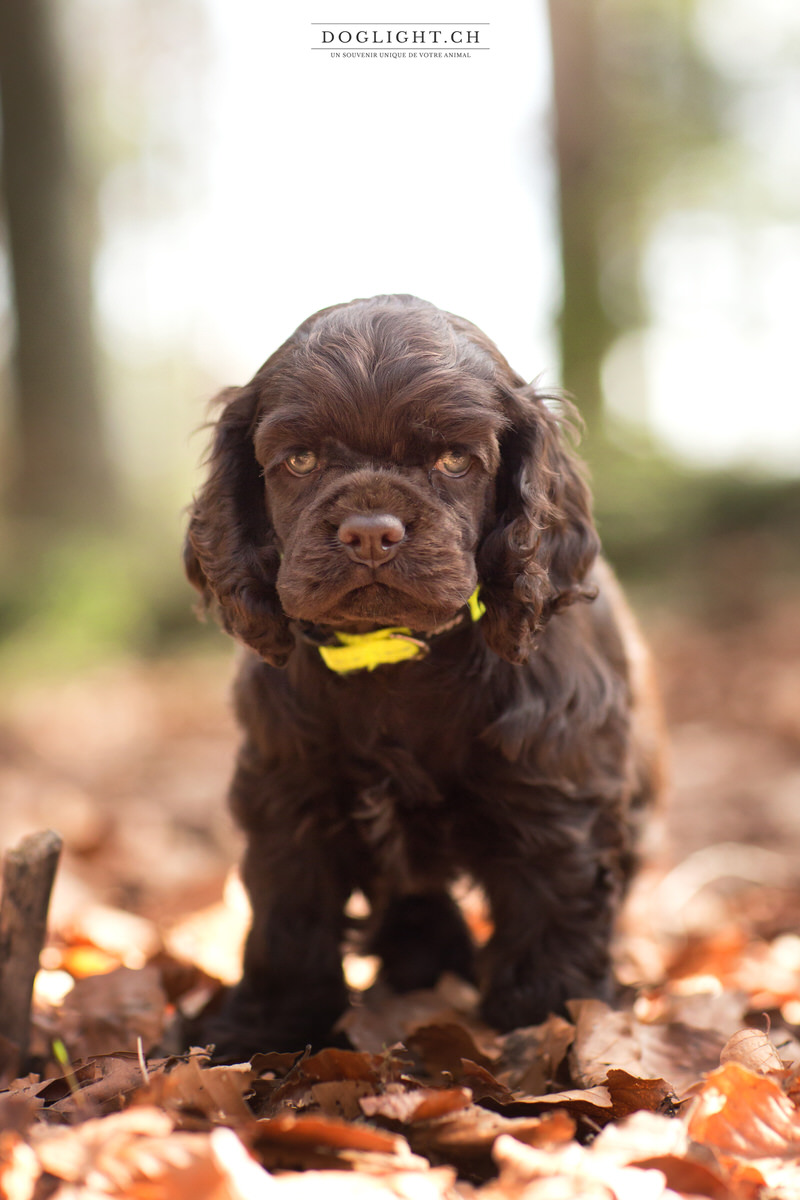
{"points": [[142, 1063], [28, 873]]}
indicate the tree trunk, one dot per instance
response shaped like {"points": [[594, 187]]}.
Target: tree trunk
{"points": [[581, 125], [62, 469]]}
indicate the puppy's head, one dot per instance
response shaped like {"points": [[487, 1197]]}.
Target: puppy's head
{"points": [[381, 463]]}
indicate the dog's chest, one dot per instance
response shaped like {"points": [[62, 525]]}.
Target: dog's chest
{"points": [[400, 773]]}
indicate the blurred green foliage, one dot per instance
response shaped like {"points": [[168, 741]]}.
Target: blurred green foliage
{"points": [[90, 596]]}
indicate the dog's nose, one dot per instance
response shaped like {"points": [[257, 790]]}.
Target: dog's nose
{"points": [[371, 538]]}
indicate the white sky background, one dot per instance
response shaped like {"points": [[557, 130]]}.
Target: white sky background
{"points": [[317, 180], [335, 178]]}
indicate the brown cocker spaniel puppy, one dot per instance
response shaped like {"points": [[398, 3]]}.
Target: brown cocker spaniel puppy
{"points": [[442, 677]]}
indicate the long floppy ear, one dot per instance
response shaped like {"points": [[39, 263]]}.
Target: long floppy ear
{"points": [[535, 560], [230, 553]]}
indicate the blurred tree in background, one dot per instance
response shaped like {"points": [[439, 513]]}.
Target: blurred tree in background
{"points": [[61, 473], [645, 124], [93, 431], [631, 95]]}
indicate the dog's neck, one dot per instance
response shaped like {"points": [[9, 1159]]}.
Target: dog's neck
{"points": [[345, 652]]}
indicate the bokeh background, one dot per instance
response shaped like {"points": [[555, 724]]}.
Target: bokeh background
{"points": [[611, 189]]}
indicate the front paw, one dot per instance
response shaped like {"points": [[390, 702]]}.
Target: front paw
{"points": [[420, 937], [247, 1023], [521, 994]]}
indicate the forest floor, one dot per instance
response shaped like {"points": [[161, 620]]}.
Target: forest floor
{"points": [[690, 1087]]}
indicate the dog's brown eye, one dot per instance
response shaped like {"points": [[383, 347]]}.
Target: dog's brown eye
{"points": [[454, 462], [302, 462]]}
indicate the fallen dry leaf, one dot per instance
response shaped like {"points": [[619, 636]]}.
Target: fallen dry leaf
{"points": [[340, 1097], [106, 1081], [138, 1155], [441, 1048], [738, 1112], [482, 1083], [330, 1066], [298, 1142], [419, 1104], [382, 1019], [630, 1093], [438, 1183], [194, 1087], [532, 1056], [466, 1138], [569, 1173], [606, 1038], [17, 1111], [104, 1014], [342, 1064], [71, 1153], [650, 1140], [752, 1048]]}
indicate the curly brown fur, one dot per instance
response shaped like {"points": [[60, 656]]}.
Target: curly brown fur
{"points": [[520, 749]]}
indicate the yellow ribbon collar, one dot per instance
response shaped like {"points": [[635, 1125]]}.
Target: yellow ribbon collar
{"points": [[366, 651]]}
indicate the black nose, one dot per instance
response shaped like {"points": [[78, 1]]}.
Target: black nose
{"points": [[371, 538]]}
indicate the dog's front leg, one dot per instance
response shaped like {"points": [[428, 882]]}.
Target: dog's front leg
{"points": [[292, 988], [554, 893]]}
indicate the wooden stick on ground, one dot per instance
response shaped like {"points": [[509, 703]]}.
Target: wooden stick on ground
{"points": [[28, 873]]}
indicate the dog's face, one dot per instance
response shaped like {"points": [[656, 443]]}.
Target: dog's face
{"points": [[383, 462], [379, 494]]}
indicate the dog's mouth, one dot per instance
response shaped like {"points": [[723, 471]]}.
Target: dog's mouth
{"points": [[376, 603]]}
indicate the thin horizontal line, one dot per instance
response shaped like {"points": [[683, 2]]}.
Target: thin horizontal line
{"points": [[401, 48], [401, 24]]}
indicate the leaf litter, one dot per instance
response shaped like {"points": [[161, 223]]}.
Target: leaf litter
{"points": [[689, 1087], [604, 1104]]}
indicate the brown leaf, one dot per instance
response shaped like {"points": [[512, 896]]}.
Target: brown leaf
{"points": [[330, 1066], [718, 954], [643, 1135], [420, 1104], [192, 1086], [383, 1018], [607, 1039], [630, 1094], [686, 1176], [342, 1064], [105, 1081], [50, 1091], [482, 1083], [274, 1062], [17, 1112], [106, 1014], [533, 1055], [466, 1138], [569, 1172], [137, 1154], [649, 1140], [70, 1153], [752, 1048], [592, 1102], [740, 1113], [442, 1047], [436, 1183], [340, 1097], [299, 1142]]}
